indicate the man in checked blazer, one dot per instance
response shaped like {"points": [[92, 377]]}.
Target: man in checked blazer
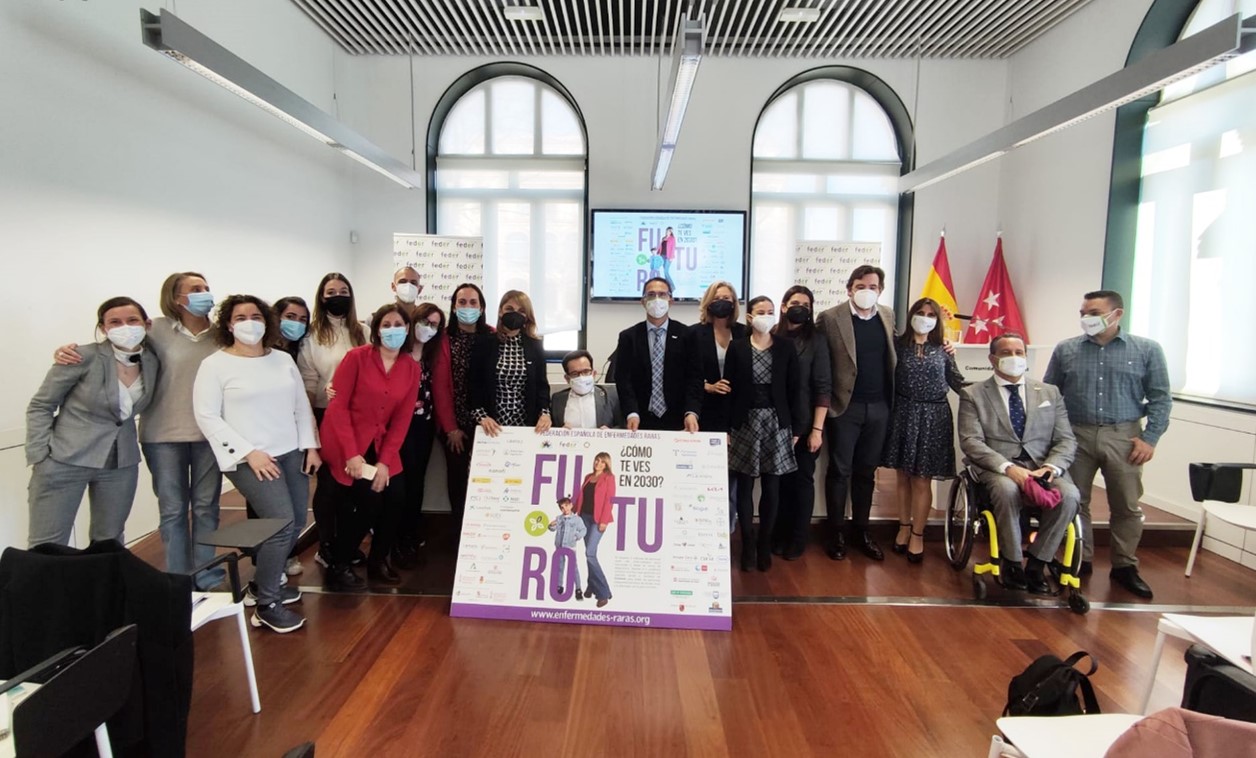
{"points": [[659, 385], [1013, 428]]}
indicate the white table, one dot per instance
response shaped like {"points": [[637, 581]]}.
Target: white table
{"points": [[8, 702], [1227, 636], [1086, 736]]}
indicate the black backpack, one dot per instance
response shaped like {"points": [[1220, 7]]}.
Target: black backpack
{"points": [[1049, 688]]}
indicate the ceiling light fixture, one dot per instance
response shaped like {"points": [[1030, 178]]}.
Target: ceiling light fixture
{"points": [[175, 39], [523, 13], [1187, 57], [798, 16], [686, 55]]}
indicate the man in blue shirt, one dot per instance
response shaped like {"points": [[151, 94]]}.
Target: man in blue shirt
{"points": [[1110, 381]]}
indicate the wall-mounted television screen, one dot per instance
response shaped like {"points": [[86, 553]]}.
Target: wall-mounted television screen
{"points": [[689, 248]]}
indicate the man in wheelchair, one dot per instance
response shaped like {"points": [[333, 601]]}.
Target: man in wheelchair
{"points": [[1015, 433]]}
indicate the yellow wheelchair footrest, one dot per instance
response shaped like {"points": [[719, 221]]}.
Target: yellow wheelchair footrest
{"points": [[986, 568]]}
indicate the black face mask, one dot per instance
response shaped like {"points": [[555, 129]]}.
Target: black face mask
{"points": [[720, 308], [338, 305], [798, 314], [513, 320]]}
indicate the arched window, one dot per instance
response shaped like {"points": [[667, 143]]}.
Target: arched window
{"points": [[826, 162], [1193, 260], [509, 165]]}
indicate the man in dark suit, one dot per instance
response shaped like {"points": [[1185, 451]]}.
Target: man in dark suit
{"points": [[658, 387], [1013, 429], [584, 404], [860, 337]]}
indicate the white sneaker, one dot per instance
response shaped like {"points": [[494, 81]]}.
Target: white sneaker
{"points": [[294, 567]]}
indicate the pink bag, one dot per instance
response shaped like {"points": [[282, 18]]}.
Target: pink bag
{"points": [[1040, 496]]}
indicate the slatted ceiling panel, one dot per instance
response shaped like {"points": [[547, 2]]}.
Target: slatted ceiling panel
{"points": [[735, 28]]}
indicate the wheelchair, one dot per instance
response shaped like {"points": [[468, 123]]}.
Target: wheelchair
{"points": [[970, 518]]}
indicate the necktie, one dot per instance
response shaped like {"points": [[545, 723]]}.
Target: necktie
{"points": [[658, 406], [1016, 410]]}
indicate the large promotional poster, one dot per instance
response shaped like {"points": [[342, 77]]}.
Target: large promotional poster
{"points": [[689, 249], [597, 526]]}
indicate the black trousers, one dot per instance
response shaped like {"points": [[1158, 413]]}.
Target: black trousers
{"points": [[457, 470], [769, 499], [672, 421], [798, 499], [856, 440], [324, 501], [358, 510], [416, 451]]}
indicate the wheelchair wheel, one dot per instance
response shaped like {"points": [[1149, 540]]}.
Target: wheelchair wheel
{"points": [[959, 525], [1077, 603], [979, 587]]}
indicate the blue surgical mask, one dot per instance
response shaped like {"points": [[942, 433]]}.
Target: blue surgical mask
{"points": [[292, 330], [393, 337], [200, 303], [467, 315]]}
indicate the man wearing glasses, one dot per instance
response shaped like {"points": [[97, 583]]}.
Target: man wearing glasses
{"points": [[584, 404], [658, 387]]}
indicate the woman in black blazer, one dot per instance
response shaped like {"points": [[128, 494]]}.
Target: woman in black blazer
{"points": [[509, 386], [767, 415]]}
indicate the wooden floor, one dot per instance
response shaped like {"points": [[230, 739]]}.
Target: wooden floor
{"points": [[849, 658]]}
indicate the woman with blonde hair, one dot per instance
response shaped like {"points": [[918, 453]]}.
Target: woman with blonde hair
{"points": [[593, 502], [509, 386], [718, 325]]}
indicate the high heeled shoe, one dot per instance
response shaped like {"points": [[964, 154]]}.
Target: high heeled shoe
{"points": [[900, 548], [916, 557]]}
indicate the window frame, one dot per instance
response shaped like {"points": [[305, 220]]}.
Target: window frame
{"points": [[905, 140], [445, 105]]}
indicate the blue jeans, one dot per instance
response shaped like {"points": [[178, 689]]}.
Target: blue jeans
{"points": [[186, 478], [274, 498], [597, 578], [562, 570]]}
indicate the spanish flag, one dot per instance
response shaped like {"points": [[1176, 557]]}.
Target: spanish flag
{"points": [[938, 286]]}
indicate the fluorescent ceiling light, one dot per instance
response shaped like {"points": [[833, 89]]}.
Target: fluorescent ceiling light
{"points": [[172, 37], [1216, 44], [798, 16], [523, 13], [686, 56]]}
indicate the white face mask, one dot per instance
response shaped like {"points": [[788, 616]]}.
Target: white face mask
{"points": [[249, 332], [424, 332], [865, 299], [922, 324], [126, 337], [763, 324], [1093, 325], [407, 292], [657, 308], [582, 385], [1013, 365]]}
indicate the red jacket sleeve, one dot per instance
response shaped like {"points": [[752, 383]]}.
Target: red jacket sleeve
{"points": [[338, 420], [443, 388], [399, 419], [604, 493]]}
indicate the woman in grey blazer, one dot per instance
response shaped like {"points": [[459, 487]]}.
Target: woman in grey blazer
{"points": [[80, 429]]}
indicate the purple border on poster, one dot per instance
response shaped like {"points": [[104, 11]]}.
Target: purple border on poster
{"points": [[593, 617]]}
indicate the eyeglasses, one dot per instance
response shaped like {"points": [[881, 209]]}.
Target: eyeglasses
{"points": [[656, 296], [586, 372]]}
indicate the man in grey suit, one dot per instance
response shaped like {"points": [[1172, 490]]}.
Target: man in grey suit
{"points": [[860, 337], [1012, 428], [583, 404]]}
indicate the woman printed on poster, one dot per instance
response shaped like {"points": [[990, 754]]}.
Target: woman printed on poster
{"points": [[593, 503], [667, 254]]}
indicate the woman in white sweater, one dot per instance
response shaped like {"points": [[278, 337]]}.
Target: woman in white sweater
{"points": [[334, 330], [250, 404]]}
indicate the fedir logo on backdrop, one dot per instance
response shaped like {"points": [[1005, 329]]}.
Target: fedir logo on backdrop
{"points": [[620, 555]]}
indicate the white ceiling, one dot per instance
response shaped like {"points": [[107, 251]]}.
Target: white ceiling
{"points": [[743, 28]]}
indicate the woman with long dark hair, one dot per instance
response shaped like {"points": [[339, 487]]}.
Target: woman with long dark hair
{"points": [[363, 430], [920, 444], [334, 330], [433, 410], [509, 386], [80, 429], [798, 489], [251, 405], [467, 322], [294, 323]]}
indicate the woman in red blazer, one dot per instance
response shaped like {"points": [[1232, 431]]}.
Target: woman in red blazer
{"points": [[364, 427], [433, 410], [593, 503]]}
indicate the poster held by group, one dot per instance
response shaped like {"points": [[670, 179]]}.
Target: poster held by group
{"points": [[655, 537]]}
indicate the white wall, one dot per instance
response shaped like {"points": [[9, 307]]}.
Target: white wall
{"points": [[1054, 205], [120, 166]]}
